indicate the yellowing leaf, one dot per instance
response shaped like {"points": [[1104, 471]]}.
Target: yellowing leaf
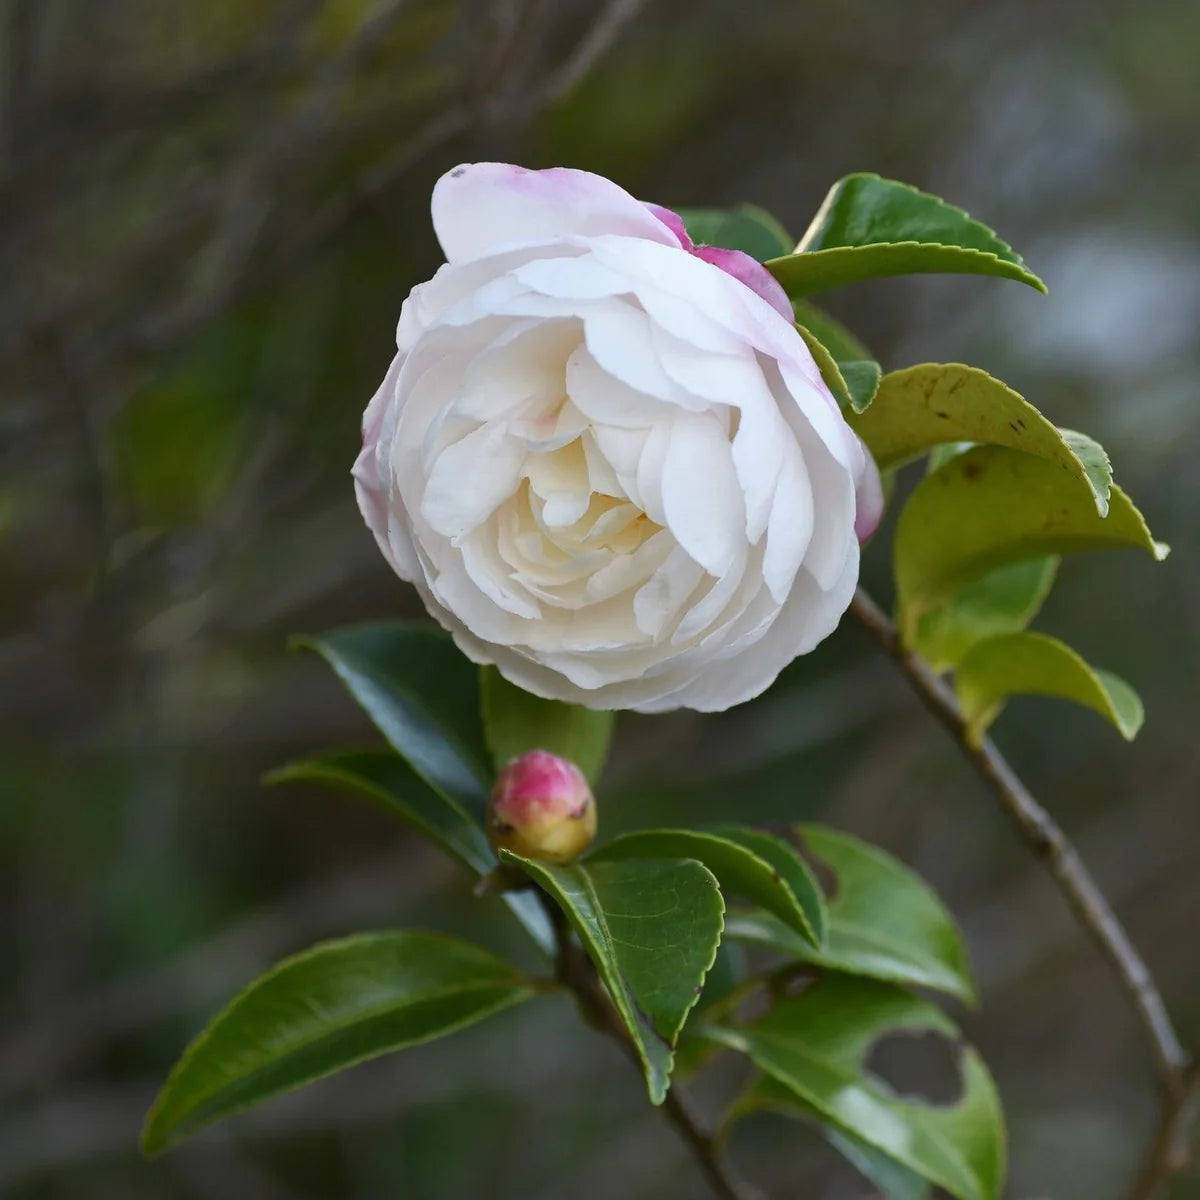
{"points": [[1033, 664], [992, 506], [1003, 601], [936, 403]]}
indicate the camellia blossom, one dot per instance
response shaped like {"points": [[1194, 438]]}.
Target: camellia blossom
{"points": [[605, 457]]}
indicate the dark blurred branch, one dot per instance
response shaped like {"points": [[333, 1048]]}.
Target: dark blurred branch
{"points": [[199, 976], [1046, 840], [616, 15], [1170, 1152], [576, 972], [492, 91]]}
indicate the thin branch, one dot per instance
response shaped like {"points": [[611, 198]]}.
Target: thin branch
{"points": [[1045, 838], [1169, 1152], [576, 973], [592, 47]]}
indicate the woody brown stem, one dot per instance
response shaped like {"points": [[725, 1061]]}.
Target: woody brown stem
{"points": [[1041, 833]]}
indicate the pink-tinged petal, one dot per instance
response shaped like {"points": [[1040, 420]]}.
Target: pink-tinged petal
{"points": [[868, 495], [752, 273], [674, 222], [481, 208], [369, 487]]}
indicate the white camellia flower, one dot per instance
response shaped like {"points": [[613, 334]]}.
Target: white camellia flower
{"points": [[605, 457]]}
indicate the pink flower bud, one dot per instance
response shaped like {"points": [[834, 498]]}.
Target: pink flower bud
{"points": [[542, 808]]}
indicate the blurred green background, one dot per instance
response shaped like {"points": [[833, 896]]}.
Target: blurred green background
{"points": [[210, 212]]}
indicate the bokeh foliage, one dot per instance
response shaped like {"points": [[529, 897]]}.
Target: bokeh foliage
{"points": [[211, 215]]}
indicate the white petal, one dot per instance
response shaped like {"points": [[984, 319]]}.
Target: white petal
{"points": [[713, 378], [579, 277], [810, 615], [605, 399], [603, 478], [702, 502], [790, 528], [524, 366], [657, 602], [710, 608], [488, 572], [618, 338], [480, 207], [370, 488], [470, 479], [649, 486]]}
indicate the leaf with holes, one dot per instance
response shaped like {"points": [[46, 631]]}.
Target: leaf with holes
{"points": [[1033, 664], [652, 927], [515, 721], [992, 506], [738, 869], [933, 404], [884, 921], [329, 1008], [746, 228], [1003, 601], [423, 695], [894, 1181], [868, 227], [386, 780], [816, 1046]]}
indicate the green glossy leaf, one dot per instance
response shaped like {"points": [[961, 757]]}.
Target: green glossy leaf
{"points": [[386, 780], [1003, 601], [842, 345], [652, 927], [816, 1045], [992, 506], [789, 866], [869, 227], [935, 403], [746, 228], [694, 1051], [884, 921], [1034, 664], [807, 274], [831, 372], [894, 1181], [862, 380], [738, 869], [423, 695], [515, 721], [335, 1005]]}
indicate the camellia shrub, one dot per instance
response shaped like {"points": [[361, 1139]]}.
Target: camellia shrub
{"points": [[628, 464]]}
